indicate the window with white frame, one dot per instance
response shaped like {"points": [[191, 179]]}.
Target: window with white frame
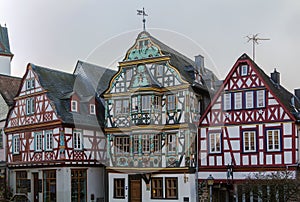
{"points": [[244, 70], [214, 142], [128, 74], [273, 140], [172, 143], [121, 144], [74, 105], [38, 141], [159, 70], [249, 100], [30, 84], [146, 144], [136, 143], [16, 144], [238, 102], [260, 98], [29, 106], [134, 104], [121, 106], [157, 103], [146, 102], [227, 101], [92, 109], [171, 102], [77, 140], [249, 138], [48, 140]]}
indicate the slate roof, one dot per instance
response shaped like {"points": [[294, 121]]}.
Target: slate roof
{"points": [[61, 86], [4, 42], [9, 87]]}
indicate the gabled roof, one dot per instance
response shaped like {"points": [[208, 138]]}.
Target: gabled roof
{"points": [[282, 94], [4, 42], [60, 87], [182, 63], [9, 87]]}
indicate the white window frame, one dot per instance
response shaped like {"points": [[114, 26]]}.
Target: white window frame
{"points": [[172, 142], [249, 141], [171, 104], [214, 139], [16, 144], [260, 98], [244, 70], [249, 99], [134, 104], [129, 74], [146, 102], [146, 144], [227, 101], [74, 106], [159, 70], [30, 84], [38, 141], [30, 106], [48, 140], [92, 109], [238, 100], [275, 135], [77, 140]]}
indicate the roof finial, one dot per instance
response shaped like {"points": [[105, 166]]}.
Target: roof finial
{"points": [[143, 13], [254, 38]]}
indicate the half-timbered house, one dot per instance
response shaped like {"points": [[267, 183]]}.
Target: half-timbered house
{"points": [[55, 145], [151, 106], [250, 127]]}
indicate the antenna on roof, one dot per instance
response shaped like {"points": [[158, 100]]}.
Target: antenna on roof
{"points": [[143, 13], [254, 38]]}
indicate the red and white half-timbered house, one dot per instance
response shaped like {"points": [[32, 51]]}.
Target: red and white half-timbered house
{"points": [[55, 145], [250, 127]]}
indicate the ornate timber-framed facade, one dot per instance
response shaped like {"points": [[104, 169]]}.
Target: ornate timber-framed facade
{"points": [[151, 107], [55, 145], [250, 127]]}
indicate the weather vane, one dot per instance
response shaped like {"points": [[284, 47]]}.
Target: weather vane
{"points": [[254, 38], [143, 13]]}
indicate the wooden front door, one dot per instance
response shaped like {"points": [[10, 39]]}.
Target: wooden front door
{"points": [[135, 189], [35, 187]]}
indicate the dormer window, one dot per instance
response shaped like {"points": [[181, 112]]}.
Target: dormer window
{"points": [[244, 70], [74, 106], [92, 109], [29, 84]]}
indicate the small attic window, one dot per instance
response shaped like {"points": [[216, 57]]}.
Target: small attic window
{"points": [[92, 109], [74, 106], [244, 70], [29, 84]]}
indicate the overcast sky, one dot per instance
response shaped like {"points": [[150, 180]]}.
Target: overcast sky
{"points": [[55, 33]]}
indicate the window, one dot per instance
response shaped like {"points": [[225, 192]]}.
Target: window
{"points": [[159, 70], [172, 142], [171, 102], [146, 144], [77, 140], [78, 185], [128, 74], [30, 84], [1, 137], [49, 188], [121, 107], [244, 70], [238, 100], [92, 109], [21, 182], [249, 141], [29, 106], [136, 143], [273, 140], [38, 141], [134, 103], [146, 102], [171, 187], [249, 99], [16, 144], [48, 140], [156, 143], [227, 101], [74, 106], [122, 145], [157, 103], [214, 142], [119, 188], [260, 95], [157, 187]]}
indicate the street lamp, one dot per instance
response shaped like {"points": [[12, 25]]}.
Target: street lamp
{"points": [[210, 183]]}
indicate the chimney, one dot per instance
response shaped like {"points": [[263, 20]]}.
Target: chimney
{"points": [[199, 61], [275, 76]]}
